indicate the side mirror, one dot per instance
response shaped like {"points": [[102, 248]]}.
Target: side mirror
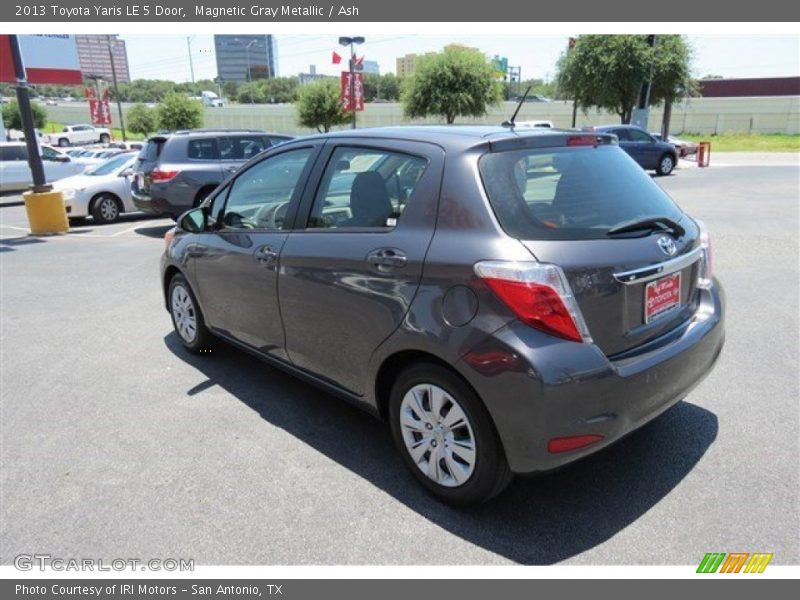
{"points": [[343, 165], [193, 221]]}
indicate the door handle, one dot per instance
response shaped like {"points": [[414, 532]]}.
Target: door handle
{"points": [[265, 256], [387, 259], [231, 169], [196, 251]]}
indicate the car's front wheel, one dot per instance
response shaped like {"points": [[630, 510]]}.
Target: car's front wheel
{"points": [[446, 436], [187, 318], [666, 164], [105, 209], [104, 138]]}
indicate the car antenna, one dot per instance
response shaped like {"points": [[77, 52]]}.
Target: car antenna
{"points": [[510, 122]]}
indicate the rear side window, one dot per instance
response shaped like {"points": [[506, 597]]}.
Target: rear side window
{"points": [[570, 193], [365, 188], [242, 147], [9, 153], [203, 149]]}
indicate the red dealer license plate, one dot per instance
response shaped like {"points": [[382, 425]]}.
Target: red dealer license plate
{"points": [[661, 295]]}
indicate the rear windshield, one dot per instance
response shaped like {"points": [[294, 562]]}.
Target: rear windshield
{"points": [[151, 150], [570, 193]]}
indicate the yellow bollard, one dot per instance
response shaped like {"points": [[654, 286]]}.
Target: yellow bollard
{"points": [[46, 212]]}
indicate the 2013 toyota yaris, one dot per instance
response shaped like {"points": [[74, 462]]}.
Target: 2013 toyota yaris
{"points": [[509, 300]]}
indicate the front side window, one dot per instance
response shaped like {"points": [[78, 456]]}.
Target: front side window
{"points": [[242, 147], [570, 193], [639, 136], [49, 154], [259, 198], [365, 188]]}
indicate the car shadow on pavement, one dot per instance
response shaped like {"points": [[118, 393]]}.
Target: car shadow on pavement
{"points": [[537, 520], [156, 231]]}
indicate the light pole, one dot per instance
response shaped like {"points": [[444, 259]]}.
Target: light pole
{"points": [[189, 39], [116, 89], [352, 41]]}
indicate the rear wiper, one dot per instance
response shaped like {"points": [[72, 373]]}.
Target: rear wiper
{"points": [[649, 224]]}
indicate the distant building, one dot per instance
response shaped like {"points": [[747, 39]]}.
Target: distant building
{"points": [[405, 65], [371, 66], [94, 59], [763, 86], [311, 76], [243, 58]]}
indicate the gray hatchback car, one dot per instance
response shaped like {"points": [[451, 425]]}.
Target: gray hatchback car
{"points": [[509, 301]]}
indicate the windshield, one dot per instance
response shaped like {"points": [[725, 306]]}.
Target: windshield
{"points": [[111, 165], [570, 193]]}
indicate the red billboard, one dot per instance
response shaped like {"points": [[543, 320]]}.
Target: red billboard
{"points": [[357, 102]]}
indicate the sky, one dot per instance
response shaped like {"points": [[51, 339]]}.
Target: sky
{"points": [[167, 57]]}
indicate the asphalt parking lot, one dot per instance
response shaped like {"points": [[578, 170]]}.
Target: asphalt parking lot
{"points": [[117, 443]]}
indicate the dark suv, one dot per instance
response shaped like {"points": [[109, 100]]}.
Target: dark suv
{"points": [[175, 172], [509, 300]]}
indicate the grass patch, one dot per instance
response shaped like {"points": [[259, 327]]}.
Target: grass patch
{"points": [[116, 133], [743, 142]]}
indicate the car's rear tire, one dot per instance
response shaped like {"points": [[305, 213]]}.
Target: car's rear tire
{"points": [[104, 138], [105, 209], [446, 437], [187, 318], [666, 164]]}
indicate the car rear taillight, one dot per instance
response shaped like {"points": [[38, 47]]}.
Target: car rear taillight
{"points": [[538, 294], [704, 273], [159, 176]]}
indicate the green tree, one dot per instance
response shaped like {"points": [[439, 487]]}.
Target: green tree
{"points": [[251, 92], [176, 111], [13, 119], [231, 90], [141, 119], [319, 106], [456, 82], [607, 71]]}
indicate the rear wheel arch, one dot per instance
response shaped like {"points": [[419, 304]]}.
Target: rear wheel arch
{"points": [[202, 194]]}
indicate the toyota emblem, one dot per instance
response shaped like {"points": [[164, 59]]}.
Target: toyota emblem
{"points": [[667, 245]]}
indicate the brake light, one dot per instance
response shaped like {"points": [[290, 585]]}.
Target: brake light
{"points": [[704, 273], [159, 176], [582, 140], [538, 294]]}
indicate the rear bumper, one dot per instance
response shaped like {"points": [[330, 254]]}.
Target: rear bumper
{"points": [[537, 387]]}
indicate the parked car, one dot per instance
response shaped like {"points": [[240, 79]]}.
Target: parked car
{"points": [[684, 147], [74, 135], [503, 318], [177, 171], [531, 98], [650, 153], [15, 174], [96, 156], [102, 191]]}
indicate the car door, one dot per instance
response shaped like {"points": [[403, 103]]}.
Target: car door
{"points": [[14, 170], [57, 165], [235, 262], [646, 147], [352, 265]]}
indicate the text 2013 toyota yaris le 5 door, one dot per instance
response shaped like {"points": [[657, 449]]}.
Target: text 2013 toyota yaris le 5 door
{"points": [[509, 301]]}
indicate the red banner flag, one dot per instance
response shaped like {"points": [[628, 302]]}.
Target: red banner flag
{"points": [[356, 102], [336, 58]]}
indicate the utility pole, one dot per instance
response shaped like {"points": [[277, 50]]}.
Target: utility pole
{"points": [[28, 126], [116, 88], [352, 41], [191, 61]]}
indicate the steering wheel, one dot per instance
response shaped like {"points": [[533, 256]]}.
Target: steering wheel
{"points": [[271, 214]]}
